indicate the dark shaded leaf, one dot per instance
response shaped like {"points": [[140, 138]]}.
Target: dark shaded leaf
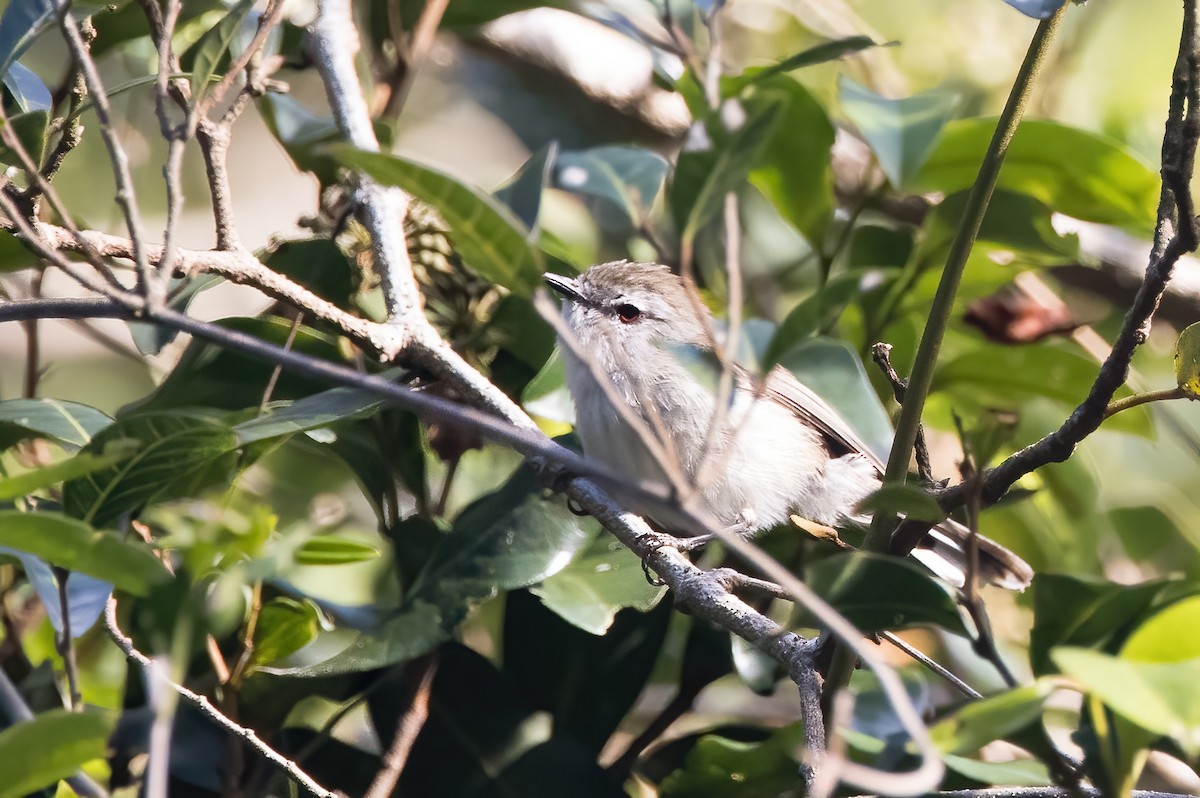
{"points": [[150, 338], [510, 539], [67, 423], [313, 412], [522, 193], [74, 545], [718, 766], [318, 264], [877, 593], [180, 455], [487, 235], [37, 753], [549, 658]]}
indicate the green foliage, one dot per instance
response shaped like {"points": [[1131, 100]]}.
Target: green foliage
{"points": [[51, 746]]}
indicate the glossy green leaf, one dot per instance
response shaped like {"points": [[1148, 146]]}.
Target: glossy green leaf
{"points": [[824, 52], [1187, 361], [908, 500], [522, 192], [1014, 773], [793, 168], [179, 455], [284, 627], [21, 23], [72, 544], [1016, 223], [37, 753], [992, 718], [1072, 171], [834, 371], [206, 54], [595, 587], [1160, 697], [876, 592], [487, 235], [718, 766], [512, 538], [313, 412], [902, 133], [1073, 610], [211, 376], [73, 467], [810, 317], [630, 178], [334, 550], [69, 424]]}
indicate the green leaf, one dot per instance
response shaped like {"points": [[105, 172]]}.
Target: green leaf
{"points": [[312, 412], [73, 467], [39, 752], [72, 544], [547, 395], [901, 133], [151, 338], [793, 168], [630, 178], [284, 627], [833, 370], [1187, 361], [67, 423], [304, 135], [831, 50], [318, 264], [1014, 773], [206, 54], [595, 587], [180, 455], [512, 538], [1160, 697], [487, 235], [522, 193], [877, 592], [471, 13], [30, 128], [1071, 610], [810, 317], [1074, 172], [334, 550], [1010, 375], [704, 177], [908, 500], [992, 718], [211, 376], [14, 255], [22, 22], [718, 766], [1015, 223]]}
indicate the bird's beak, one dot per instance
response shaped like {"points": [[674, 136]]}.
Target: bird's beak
{"points": [[564, 286]]}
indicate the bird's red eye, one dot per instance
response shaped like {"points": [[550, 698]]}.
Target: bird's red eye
{"points": [[628, 313]]}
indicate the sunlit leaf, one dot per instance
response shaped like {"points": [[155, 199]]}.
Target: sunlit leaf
{"points": [[38, 753], [818, 54], [208, 51], [902, 133], [991, 718], [179, 455], [1187, 360], [284, 627], [595, 587], [334, 550], [73, 467], [74, 545], [487, 235], [1072, 171]]}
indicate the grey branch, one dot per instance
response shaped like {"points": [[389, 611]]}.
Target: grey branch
{"points": [[206, 707]]}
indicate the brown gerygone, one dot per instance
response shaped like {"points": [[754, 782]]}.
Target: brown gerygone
{"points": [[779, 449]]}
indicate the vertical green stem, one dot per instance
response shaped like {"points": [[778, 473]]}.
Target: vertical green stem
{"points": [[878, 537], [943, 302]]}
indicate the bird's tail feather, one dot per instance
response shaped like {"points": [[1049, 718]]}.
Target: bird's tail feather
{"points": [[944, 551]]}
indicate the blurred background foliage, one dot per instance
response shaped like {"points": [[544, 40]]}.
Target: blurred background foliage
{"points": [[328, 553]]}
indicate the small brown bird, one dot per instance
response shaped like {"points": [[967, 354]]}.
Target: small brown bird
{"points": [[781, 450]]}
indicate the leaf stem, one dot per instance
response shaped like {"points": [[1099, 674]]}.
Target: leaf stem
{"points": [[943, 302], [1117, 405]]}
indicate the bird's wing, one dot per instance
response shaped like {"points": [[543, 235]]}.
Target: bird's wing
{"points": [[785, 389]]}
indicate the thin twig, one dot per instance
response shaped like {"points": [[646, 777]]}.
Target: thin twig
{"points": [[422, 39], [1138, 399], [931, 664], [65, 645], [206, 708], [881, 354], [421, 671]]}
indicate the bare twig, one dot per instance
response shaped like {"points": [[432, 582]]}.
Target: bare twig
{"points": [[411, 56], [421, 671], [206, 707], [65, 645], [881, 354], [1175, 236]]}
